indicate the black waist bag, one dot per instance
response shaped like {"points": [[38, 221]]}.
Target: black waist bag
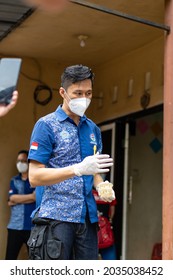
{"points": [[43, 245]]}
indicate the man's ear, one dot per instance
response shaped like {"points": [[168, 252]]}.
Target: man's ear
{"points": [[62, 91]]}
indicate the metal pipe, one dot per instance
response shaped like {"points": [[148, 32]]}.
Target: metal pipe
{"points": [[121, 14], [7, 22], [125, 192], [167, 233]]}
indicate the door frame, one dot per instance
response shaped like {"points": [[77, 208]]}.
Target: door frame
{"points": [[112, 127]]}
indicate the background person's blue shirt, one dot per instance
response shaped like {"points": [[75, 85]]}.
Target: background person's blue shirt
{"points": [[58, 142], [38, 198], [20, 213]]}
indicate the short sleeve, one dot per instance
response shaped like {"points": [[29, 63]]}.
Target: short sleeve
{"points": [[42, 142], [12, 189]]}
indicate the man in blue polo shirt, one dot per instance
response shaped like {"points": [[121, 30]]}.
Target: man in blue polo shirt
{"points": [[65, 157], [22, 203]]}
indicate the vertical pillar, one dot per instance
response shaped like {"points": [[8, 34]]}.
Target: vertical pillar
{"points": [[167, 234]]}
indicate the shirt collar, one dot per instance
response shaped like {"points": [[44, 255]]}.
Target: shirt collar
{"points": [[62, 116]]}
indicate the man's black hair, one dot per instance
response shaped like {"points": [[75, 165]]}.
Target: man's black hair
{"points": [[76, 73], [23, 152]]}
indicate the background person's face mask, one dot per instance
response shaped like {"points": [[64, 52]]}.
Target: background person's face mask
{"points": [[22, 167], [78, 105]]}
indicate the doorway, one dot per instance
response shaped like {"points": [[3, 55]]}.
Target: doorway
{"points": [[143, 193], [144, 196]]}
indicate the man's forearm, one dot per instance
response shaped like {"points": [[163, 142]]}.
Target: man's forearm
{"points": [[112, 212], [10, 203], [97, 179], [49, 176], [22, 198]]}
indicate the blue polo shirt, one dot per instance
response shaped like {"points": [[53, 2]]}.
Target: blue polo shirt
{"points": [[57, 142], [20, 213]]}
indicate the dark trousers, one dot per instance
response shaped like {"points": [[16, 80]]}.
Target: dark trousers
{"points": [[79, 240], [15, 240]]}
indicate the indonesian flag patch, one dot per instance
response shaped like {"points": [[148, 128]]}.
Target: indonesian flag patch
{"points": [[34, 146]]}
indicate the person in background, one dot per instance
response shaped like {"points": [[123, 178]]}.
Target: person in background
{"points": [[106, 209], [4, 109], [22, 203], [65, 157]]}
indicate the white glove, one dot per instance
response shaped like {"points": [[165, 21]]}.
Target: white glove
{"points": [[105, 191], [93, 164]]}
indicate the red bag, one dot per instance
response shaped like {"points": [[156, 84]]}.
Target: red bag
{"points": [[157, 252], [105, 233]]}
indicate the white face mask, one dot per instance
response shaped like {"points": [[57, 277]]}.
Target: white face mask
{"points": [[22, 167], [78, 105]]}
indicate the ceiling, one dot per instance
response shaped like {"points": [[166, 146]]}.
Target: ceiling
{"points": [[55, 35]]}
